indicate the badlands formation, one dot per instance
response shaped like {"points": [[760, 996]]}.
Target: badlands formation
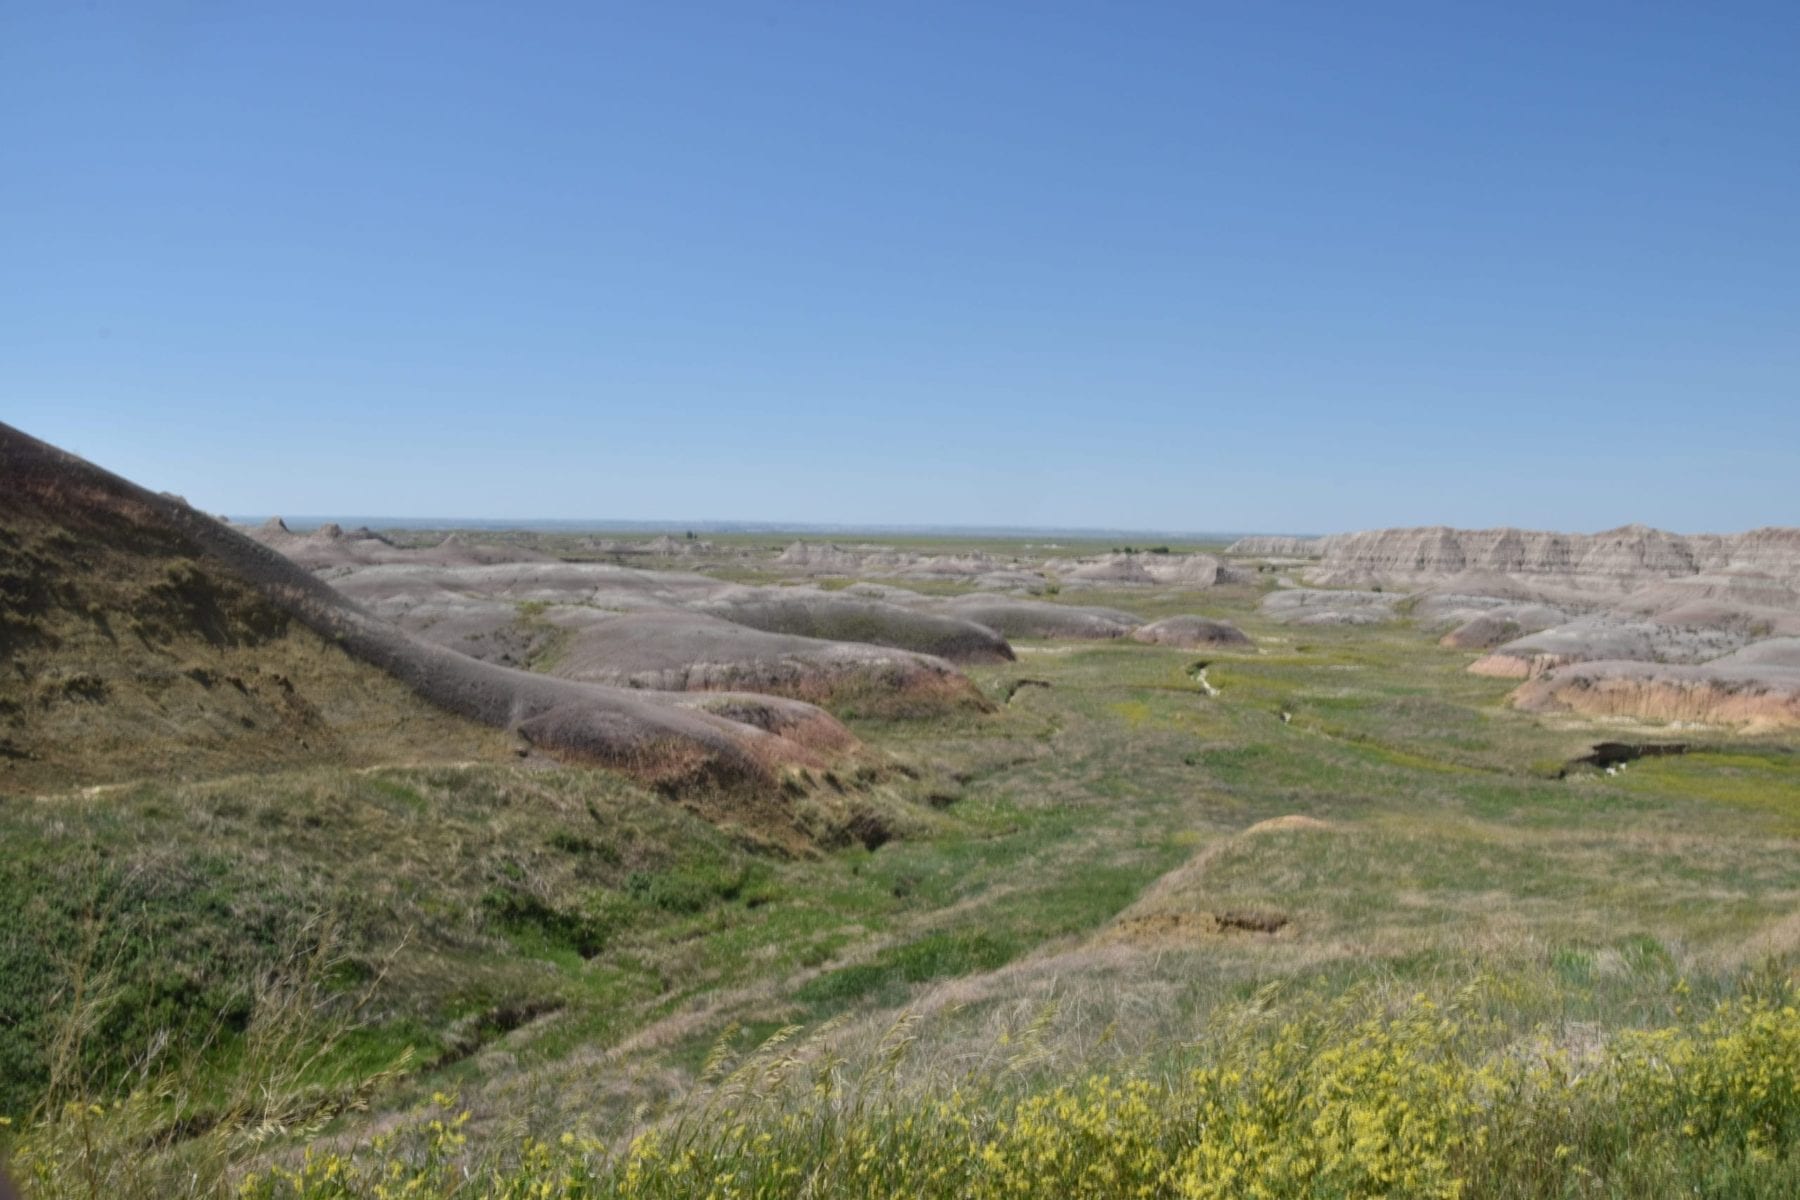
{"points": [[1633, 622], [869, 648], [257, 644], [233, 656], [673, 631], [246, 646]]}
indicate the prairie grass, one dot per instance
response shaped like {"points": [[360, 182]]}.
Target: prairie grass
{"points": [[971, 1005]]}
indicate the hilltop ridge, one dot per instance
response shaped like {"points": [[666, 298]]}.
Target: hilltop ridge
{"points": [[143, 634]]}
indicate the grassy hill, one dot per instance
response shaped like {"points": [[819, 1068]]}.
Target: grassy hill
{"points": [[1058, 896], [1318, 916]]}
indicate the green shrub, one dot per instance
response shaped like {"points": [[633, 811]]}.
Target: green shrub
{"points": [[1347, 1098]]}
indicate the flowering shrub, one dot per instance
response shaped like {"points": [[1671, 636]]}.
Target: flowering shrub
{"points": [[1347, 1099]]}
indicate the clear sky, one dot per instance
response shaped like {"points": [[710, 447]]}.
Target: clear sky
{"points": [[1195, 265]]}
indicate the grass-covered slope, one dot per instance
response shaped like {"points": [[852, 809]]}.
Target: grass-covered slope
{"points": [[438, 906], [129, 650], [1151, 933], [113, 599]]}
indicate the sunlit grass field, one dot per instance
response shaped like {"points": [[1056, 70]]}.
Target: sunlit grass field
{"points": [[1349, 927]]}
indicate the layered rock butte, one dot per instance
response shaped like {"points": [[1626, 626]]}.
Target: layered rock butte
{"points": [[1658, 626], [1615, 561]]}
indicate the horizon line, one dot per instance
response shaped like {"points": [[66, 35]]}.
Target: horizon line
{"points": [[722, 525]]}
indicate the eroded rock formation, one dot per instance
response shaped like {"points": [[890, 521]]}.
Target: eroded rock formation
{"points": [[1275, 546], [1613, 562], [1755, 697]]}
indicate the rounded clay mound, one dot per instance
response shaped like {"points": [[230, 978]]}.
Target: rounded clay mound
{"points": [[1600, 638], [1501, 625], [1775, 652], [1316, 606], [834, 616], [1016, 617], [692, 652], [1191, 633], [1185, 570], [696, 633], [1111, 568]]}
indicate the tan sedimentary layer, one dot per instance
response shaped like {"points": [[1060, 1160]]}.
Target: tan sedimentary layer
{"points": [[1757, 698], [1514, 666]]}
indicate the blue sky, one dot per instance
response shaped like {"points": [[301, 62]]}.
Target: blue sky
{"points": [[1186, 266]]}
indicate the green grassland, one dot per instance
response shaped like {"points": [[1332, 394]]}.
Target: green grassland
{"points": [[1036, 905]]}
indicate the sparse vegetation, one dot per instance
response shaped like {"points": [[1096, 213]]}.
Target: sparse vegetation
{"points": [[1052, 899], [1358, 1095]]}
